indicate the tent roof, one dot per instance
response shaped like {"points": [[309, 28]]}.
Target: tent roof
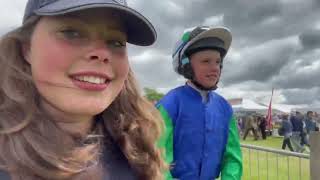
{"points": [[243, 104], [248, 104]]}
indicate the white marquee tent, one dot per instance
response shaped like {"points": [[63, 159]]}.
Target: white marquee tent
{"points": [[242, 104], [248, 105]]}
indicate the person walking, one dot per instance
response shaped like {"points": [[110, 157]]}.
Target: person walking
{"points": [[262, 126], [251, 125], [287, 133]]}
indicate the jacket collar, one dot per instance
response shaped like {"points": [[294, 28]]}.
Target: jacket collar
{"points": [[204, 94]]}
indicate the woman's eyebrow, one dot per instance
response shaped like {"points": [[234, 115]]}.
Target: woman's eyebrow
{"points": [[74, 18]]}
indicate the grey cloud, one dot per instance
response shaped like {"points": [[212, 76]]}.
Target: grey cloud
{"points": [[310, 39], [250, 21], [297, 96], [155, 70], [299, 75], [259, 64], [270, 20], [250, 85], [252, 14]]}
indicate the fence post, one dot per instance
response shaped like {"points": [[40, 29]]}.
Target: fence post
{"points": [[314, 155]]}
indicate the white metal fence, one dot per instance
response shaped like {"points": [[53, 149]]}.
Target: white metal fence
{"points": [[262, 163]]}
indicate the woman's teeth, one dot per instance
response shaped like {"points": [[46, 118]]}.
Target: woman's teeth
{"points": [[91, 79]]}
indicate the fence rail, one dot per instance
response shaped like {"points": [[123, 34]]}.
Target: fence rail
{"points": [[266, 163], [277, 151], [315, 156]]}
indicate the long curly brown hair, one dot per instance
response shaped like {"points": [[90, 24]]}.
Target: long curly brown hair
{"points": [[32, 146]]}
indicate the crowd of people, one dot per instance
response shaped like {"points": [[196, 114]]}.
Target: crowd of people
{"points": [[296, 130], [254, 123]]}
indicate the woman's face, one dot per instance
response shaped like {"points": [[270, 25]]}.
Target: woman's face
{"points": [[79, 62]]}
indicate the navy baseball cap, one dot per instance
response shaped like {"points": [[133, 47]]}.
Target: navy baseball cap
{"points": [[139, 30]]}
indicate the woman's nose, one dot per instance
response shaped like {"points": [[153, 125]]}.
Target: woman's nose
{"points": [[99, 51]]}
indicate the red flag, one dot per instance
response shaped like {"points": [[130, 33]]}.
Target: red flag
{"points": [[269, 115]]}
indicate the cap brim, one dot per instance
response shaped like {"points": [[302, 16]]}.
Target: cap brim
{"points": [[220, 33], [140, 31]]}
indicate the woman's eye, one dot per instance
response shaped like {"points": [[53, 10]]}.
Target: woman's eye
{"points": [[116, 44], [71, 34]]}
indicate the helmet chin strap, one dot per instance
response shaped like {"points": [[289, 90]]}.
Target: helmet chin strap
{"points": [[200, 87]]}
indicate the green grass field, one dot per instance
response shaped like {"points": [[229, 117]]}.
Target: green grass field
{"points": [[271, 142], [265, 166]]}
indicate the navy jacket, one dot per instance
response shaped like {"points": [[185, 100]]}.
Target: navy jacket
{"points": [[297, 124], [116, 166]]}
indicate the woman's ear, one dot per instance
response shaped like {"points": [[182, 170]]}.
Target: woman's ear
{"points": [[26, 52]]}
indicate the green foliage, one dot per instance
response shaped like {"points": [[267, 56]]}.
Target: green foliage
{"points": [[152, 94]]}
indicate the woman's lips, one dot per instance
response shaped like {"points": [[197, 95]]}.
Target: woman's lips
{"points": [[90, 86], [91, 81]]}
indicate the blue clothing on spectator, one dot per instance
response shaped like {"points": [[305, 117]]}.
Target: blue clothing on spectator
{"points": [[287, 128], [310, 125], [297, 124]]}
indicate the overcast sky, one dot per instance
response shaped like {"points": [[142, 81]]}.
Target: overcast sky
{"points": [[276, 43]]}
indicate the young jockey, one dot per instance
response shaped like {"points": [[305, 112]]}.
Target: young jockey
{"points": [[201, 133]]}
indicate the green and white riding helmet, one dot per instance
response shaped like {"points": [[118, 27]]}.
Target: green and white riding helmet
{"points": [[197, 39]]}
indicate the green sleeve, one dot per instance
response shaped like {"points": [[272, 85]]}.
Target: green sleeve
{"points": [[232, 159], [166, 140]]}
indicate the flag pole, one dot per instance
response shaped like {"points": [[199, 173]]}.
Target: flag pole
{"points": [[269, 114]]}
